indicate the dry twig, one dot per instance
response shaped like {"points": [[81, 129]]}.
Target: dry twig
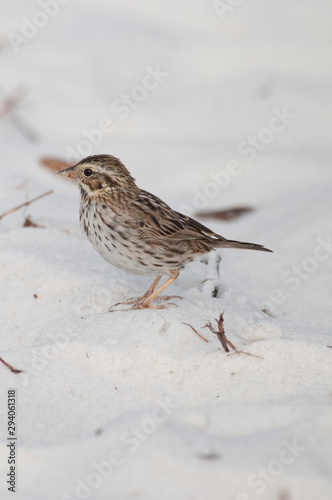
{"points": [[200, 336], [266, 311], [25, 204], [22, 184], [7, 107], [11, 101], [10, 367], [221, 333]]}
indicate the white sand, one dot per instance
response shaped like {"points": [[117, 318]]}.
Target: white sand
{"points": [[134, 405]]}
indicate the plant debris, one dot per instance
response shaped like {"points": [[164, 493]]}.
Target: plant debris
{"points": [[22, 184], [226, 215], [200, 336], [25, 204], [10, 367], [54, 164], [212, 455], [8, 106], [29, 223], [221, 333], [266, 311]]}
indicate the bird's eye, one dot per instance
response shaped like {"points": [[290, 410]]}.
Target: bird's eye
{"points": [[88, 172]]}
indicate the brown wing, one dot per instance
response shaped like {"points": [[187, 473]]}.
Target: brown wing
{"points": [[155, 221], [158, 224]]}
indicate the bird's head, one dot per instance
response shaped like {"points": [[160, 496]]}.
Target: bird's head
{"points": [[100, 175]]}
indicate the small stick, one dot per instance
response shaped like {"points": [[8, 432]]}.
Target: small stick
{"points": [[246, 353], [10, 367], [11, 101], [22, 184], [8, 105], [224, 340], [200, 336], [26, 203], [221, 333]]}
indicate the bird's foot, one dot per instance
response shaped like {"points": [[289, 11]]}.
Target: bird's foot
{"points": [[168, 297], [143, 303]]}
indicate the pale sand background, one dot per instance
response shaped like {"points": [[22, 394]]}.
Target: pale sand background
{"points": [[229, 427]]}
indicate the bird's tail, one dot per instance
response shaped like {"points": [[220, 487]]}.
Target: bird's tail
{"points": [[240, 244]]}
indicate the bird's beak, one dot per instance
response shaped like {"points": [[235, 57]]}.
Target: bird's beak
{"points": [[68, 172]]}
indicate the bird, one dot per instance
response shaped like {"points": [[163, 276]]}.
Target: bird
{"points": [[135, 230]]}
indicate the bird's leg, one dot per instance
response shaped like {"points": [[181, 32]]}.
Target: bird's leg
{"points": [[145, 304], [144, 301], [147, 294], [143, 297]]}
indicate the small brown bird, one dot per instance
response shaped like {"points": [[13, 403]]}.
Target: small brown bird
{"points": [[136, 231]]}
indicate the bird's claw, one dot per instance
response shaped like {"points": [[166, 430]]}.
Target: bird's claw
{"points": [[143, 305]]}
